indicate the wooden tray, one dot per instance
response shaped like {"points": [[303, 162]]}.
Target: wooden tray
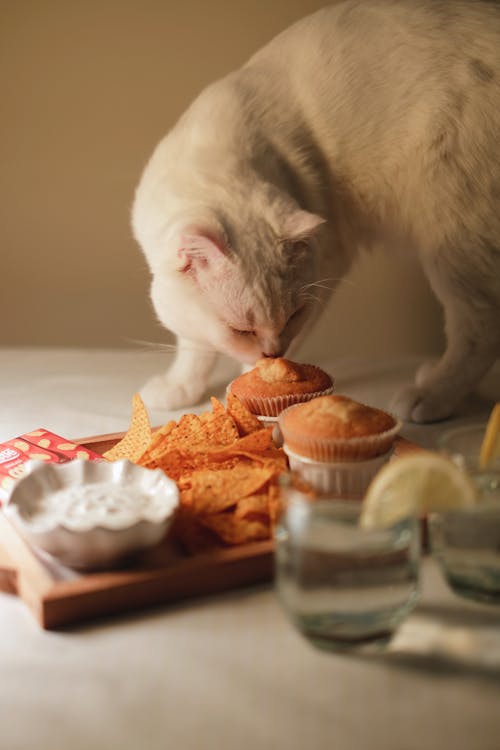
{"points": [[59, 596]]}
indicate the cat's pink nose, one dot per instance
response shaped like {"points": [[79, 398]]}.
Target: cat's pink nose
{"points": [[272, 345], [277, 352]]}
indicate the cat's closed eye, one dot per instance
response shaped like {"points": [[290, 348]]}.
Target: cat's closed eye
{"points": [[238, 332], [250, 332]]}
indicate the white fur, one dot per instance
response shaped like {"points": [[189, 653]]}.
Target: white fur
{"points": [[364, 124]]}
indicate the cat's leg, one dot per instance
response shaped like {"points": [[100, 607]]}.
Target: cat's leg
{"points": [[185, 382], [440, 387], [424, 372], [472, 319]]}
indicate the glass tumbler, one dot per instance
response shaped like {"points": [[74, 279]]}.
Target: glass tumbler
{"points": [[463, 446], [466, 542], [342, 585]]}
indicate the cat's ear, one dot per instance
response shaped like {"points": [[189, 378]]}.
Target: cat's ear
{"points": [[199, 247], [300, 225]]}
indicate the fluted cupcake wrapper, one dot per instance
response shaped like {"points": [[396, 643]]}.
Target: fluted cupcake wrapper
{"points": [[272, 406], [268, 421], [341, 479]]}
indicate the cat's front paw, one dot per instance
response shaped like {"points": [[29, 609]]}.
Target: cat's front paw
{"points": [[414, 403], [162, 392]]}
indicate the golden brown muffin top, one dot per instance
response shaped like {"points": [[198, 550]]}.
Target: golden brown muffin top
{"points": [[278, 376], [335, 417]]}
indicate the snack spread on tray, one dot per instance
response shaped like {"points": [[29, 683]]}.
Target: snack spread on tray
{"points": [[225, 462], [226, 466]]}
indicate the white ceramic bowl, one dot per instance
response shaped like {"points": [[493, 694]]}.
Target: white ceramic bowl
{"points": [[92, 514]]}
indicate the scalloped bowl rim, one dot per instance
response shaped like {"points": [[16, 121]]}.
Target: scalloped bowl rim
{"points": [[13, 507]]}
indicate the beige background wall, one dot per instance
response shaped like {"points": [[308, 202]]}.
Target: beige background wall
{"points": [[88, 88]]}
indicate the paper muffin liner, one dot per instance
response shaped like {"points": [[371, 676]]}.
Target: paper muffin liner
{"points": [[345, 479], [339, 449], [267, 421], [276, 433], [272, 406]]}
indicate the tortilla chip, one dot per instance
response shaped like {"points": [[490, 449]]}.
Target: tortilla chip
{"points": [[246, 422], [193, 536], [138, 436], [195, 433], [234, 530], [256, 442], [253, 507], [217, 406], [219, 428], [214, 491], [147, 458]]}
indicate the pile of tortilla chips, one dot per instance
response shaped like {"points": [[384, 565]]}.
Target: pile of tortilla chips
{"points": [[226, 467]]}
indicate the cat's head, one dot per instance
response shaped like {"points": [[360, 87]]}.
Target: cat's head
{"points": [[237, 282]]}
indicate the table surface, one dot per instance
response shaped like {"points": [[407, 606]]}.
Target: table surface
{"points": [[229, 671]]}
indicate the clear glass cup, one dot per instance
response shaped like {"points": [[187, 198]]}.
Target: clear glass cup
{"points": [[466, 543], [463, 445], [344, 586]]}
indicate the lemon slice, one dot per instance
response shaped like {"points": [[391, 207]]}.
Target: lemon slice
{"points": [[414, 485], [490, 447]]}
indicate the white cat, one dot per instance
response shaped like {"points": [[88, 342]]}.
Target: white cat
{"points": [[364, 124]]}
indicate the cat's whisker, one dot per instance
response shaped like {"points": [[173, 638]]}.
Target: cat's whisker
{"points": [[322, 283], [321, 286], [348, 281], [169, 348], [308, 295], [312, 299], [148, 345]]}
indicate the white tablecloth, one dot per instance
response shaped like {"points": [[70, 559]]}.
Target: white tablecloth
{"points": [[229, 671]]}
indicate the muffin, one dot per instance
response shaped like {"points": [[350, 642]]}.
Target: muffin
{"points": [[337, 444], [276, 383]]}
